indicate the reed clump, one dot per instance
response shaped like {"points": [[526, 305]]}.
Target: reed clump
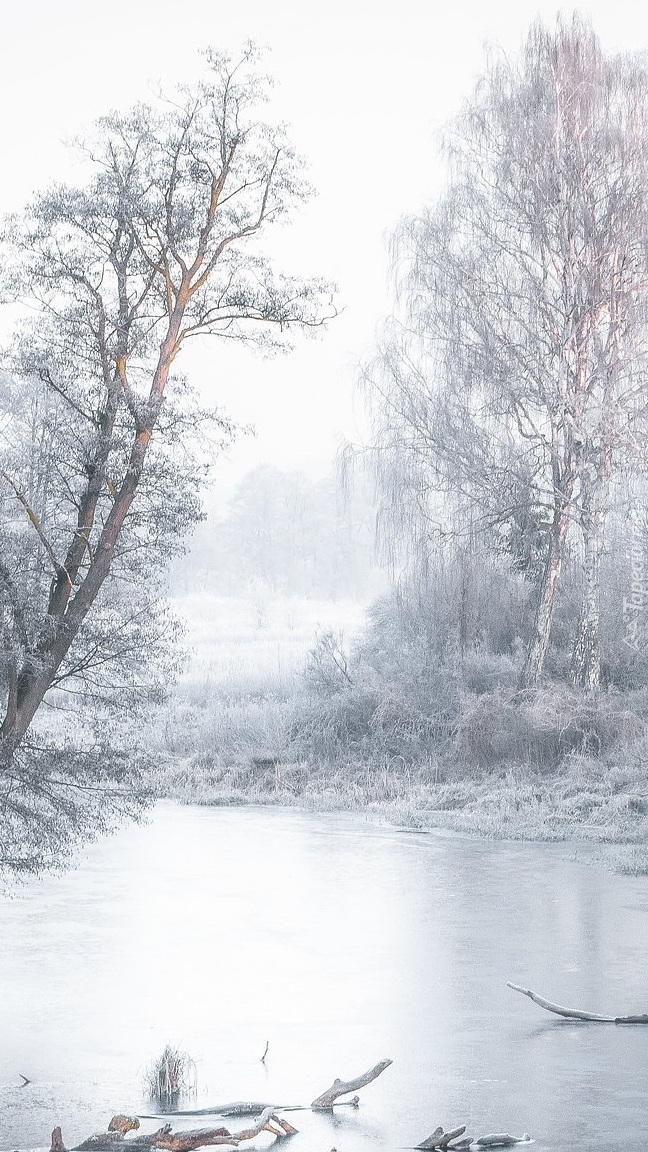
{"points": [[170, 1075]]}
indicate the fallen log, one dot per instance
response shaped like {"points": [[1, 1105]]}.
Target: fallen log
{"points": [[101, 1142], [114, 1140], [575, 1013], [227, 1111], [342, 1087], [197, 1138], [201, 1137], [110, 1140], [245, 1108], [164, 1138]]}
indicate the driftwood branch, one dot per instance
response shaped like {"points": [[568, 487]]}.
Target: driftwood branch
{"points": [[245, 1108], [575, 1013], [229, 1111], [342, 1087], [187, 1141], [268, 1122], [449, 1141], [199, 1137], [114, 1140], [168, 1141], [442, 1140]]}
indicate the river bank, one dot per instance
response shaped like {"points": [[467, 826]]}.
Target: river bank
{"points": [[585, 801], [268, 715]]}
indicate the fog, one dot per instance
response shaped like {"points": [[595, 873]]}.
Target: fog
{"points": [[332, 499], [366, 88]]}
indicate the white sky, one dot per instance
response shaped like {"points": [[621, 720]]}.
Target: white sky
{"points": [[365, 84]]}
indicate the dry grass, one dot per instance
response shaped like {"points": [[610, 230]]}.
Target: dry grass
{"points": [[586, 800], [238, 700], [171, 1075], [245, 647], [245, 727]]}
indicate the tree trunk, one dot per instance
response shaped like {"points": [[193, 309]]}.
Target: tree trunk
{"points": [[586, 656], [564, 471], [41, 666], [539, 641], [66, 617]]}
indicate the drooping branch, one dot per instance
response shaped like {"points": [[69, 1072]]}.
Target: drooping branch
{"points": [[342, 1087], [576, 1013]]}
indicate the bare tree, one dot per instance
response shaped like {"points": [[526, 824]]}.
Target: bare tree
{"points": [[118, 274], [520, 370]]}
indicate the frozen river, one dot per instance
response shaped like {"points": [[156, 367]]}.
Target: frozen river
{"points": [[340, 942]]}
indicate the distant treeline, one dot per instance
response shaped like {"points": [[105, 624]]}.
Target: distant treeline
{"points": [[290, 535]]}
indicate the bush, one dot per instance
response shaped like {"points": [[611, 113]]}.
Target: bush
{"points": [[544, 728], [329, 728]]}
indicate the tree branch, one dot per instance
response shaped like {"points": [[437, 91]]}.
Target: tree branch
{"points": [[60, 569], [576, 1013], [341, 1087]]}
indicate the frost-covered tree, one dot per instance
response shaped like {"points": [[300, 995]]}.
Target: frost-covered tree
{"points": [[98, 479], [518, 378]]}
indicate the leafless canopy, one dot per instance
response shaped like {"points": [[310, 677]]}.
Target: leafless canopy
{"points": [[98, 470], [516, 376]]}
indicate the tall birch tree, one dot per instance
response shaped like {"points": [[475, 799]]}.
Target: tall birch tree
{"points": [[520, 370]]}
